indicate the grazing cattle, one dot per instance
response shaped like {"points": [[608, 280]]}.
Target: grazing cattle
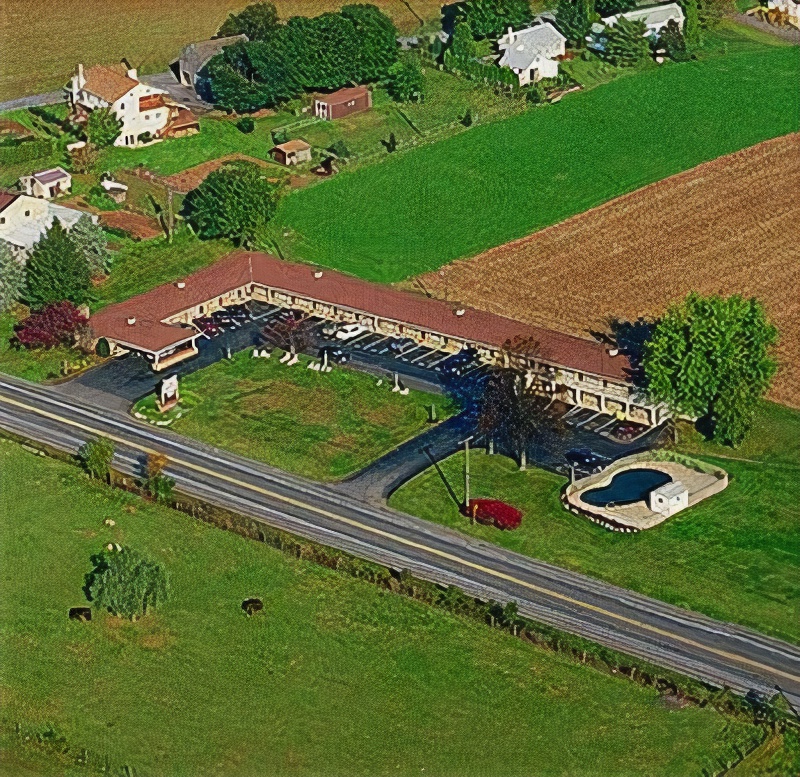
{"points": [[80, 613], [252, 606]]}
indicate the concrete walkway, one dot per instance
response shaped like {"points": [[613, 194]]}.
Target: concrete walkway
{"points": [[790, 34]]}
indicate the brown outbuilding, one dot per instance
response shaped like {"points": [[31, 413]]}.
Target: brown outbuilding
{"points": [[343, 103], [293, 152]]}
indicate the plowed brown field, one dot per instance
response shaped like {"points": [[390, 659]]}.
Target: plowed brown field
{"points": [[728, 226]]}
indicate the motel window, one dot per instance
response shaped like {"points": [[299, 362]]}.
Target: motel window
{"points": [[27, 213], [122, 106], [2, 219]]}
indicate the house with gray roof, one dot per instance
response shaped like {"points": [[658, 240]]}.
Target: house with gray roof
{"points": [[532, 53], [655, 17]]}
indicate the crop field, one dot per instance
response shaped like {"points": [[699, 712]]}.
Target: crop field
{"points": [[728, 226], [335, 676], [41, 46], [501, 181]]}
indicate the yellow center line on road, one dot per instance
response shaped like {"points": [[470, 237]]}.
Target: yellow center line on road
{"points": [[411, 543]]}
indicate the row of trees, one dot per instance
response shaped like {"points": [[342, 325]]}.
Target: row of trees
{"points": [[280, 61], [707, 357], [60, 266]]}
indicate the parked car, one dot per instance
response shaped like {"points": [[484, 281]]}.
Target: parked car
{"points": [[222, 318], [586, 460], [349, 331], [335, 354]]}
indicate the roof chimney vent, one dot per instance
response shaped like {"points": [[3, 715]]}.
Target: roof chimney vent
{"points": [[613, 351], [131, 320], [181, 284], [460, 312], [318, 274]]}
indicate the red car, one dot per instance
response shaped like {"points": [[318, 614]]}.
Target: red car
{"points": [[494, 512]]}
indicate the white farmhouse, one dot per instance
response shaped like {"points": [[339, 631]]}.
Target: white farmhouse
{"points": [[655, 17], [47, 183], [532, 53], [147, 113], [789, 8], [24, 219]]}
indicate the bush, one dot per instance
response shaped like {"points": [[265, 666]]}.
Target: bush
{"points": [[25, 150], [246, 125], [126, 583], [494, 512], [53, 325], [99, 198]]}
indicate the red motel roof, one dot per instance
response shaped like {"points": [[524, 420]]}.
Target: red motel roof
{"points": [[344, 291]]}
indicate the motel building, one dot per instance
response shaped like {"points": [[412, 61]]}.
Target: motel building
{"points": [[159, 326]]}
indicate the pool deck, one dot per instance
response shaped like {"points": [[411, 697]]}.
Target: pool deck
{"points": [[637, 516]]}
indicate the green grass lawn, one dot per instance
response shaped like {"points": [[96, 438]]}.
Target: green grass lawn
{"points": [[735, 556], [504, 180], [140, 266], [38, 365], [334, 677], [324, 426]]}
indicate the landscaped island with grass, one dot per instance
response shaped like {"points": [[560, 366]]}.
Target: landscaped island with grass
{"points": [[332, 676], [321, 425]]}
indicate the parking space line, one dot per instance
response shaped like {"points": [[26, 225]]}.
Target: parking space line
{"points": [[420, 356]]}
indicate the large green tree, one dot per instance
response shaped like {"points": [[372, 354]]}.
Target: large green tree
{"points": [[126, 583], [463, 43], [711, 357], [574, 18], [57, 270], [406, 81], [236, 201], [90, 240], [376, 37], [627, 44], [257, 21], [325, 50], [491, 18], [12, 277], [102, 127]]}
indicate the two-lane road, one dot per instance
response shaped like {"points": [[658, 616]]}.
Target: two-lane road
{"points": [[716, 652]]}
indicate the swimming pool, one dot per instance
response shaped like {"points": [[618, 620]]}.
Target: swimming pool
{"points": [[632, 485]]}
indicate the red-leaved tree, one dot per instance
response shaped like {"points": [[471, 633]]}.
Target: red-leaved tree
{"points": [[56, 324]]}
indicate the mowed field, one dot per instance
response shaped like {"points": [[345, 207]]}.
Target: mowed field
{"points": [[334, 677], [504, 180], [728, 226], [42, 41]]}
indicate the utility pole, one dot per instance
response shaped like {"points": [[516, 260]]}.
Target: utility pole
{"points": [[466, 475]]}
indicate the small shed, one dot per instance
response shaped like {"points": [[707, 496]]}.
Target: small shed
{"points": [[293, 152], [669, 498], [343, 103], [46, 184]]}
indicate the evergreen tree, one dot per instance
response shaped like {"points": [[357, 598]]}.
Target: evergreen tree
{"points": [[376, 37], [102, 127], [711, 357], [691, 21], [672, 41], [605, 8], [126, 583], [491, 18], [90, 239], [627, 44], [406, 81], [12, 277], [57, 270], [463, 43], [257, 21], [574, 19], [236, 201]]}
